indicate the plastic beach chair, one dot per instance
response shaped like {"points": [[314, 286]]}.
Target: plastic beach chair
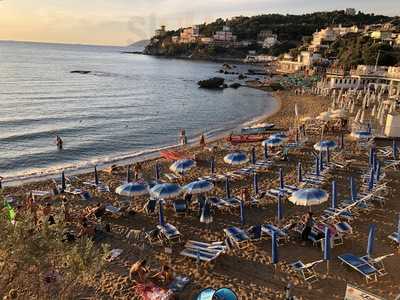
{"points": [[198, 254], [306, 271], [360, 265], [170, 232], [238, 237], [377, 263]]}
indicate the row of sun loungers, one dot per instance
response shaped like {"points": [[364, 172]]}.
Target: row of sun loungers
{"points": [[203, 252]]}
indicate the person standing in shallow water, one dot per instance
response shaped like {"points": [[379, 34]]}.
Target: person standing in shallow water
{"points": [[59, 142]]}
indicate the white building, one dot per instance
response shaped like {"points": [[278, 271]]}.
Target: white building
{"points": [[225, 35], [289, 65], [322, 39]]}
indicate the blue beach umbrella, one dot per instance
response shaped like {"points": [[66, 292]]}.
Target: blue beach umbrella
{"points": [[274, 256], [161, 213], [327, 248], [279, 135], [227, 188], [157, 171], [371, 180], [253, 155], [242, 220], [265, 152], [280, 208], [224, 294], [378, 171], [165, 191], [182, 166], [206, 216], [371, 239], [299, 173], [236, 158], [255, 183], [212, 165], [359, 135], [334, 195], [281, 182], [96, 176], [132, 189], [198, 187], [128, 174], [273, 142], [325, 145], [309, 197], [63, 184], [394, 150]]}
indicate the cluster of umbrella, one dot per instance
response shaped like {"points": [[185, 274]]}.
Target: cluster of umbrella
{"points": [[275, 140]]}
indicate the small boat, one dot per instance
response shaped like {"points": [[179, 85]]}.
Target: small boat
{"points": [[258, 128], [245, 138]]}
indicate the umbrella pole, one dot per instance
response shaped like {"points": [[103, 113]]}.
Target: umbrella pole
{"points": [[327, 267]]}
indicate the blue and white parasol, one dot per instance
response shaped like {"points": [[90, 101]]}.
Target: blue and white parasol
{"points": [[361, 135], [236, 158], [273, 142], [165, 191], [325, 145], [198, 187], [132, 189], [182, 166], [309, 197]]}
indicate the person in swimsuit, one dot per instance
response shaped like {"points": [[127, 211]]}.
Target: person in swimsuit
{"points": [[59, 142]]}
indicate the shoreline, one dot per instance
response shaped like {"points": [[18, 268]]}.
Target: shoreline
{"points": [[142, 156]]}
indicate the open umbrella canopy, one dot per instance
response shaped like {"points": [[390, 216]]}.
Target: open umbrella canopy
{"points": [[325, 145], [309, 197], [273, 142], [198, 187], [165, 191], [132, 189], [182, 166], [236, 158], [361, 135]]}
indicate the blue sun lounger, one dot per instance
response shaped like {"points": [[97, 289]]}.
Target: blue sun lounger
{"points": [[360, 265], [237, 236], [306, 271], [170, 232], [198, 254]]}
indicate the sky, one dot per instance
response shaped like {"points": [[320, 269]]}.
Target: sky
{"points": [[121, 22]]}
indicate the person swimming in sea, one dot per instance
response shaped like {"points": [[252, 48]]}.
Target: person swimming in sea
{"points": [[59, 142]]}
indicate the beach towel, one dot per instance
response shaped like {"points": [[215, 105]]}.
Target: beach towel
{"points": [[150, 291]]}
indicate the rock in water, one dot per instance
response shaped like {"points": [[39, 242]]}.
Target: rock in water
{"points": [[212, 83], [235, 85]]}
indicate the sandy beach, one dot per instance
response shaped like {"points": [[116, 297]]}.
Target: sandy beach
{"points": [[248, 272]]}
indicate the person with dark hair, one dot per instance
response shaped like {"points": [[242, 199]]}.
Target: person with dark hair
{"points": [[59, 142], [309, 223]]}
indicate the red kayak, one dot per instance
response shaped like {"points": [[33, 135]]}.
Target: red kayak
{"points": [[244, 138]]}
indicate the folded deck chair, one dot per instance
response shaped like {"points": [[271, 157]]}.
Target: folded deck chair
{"points": [[377, 263], [238, 237], [215, 247], [395, 237], [170, 232], [360, 265], [150, 207], [180, 206], [306, 271]]}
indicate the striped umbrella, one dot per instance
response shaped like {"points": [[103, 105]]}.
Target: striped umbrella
{"points": [[273, 142], [236, 158], [334, 195], [182, 166], [309, 197], [96, 176], [165, 191], [325, 145], [327, 248], [198, 187], [371, 239], [132, 189], [274, 256]]}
